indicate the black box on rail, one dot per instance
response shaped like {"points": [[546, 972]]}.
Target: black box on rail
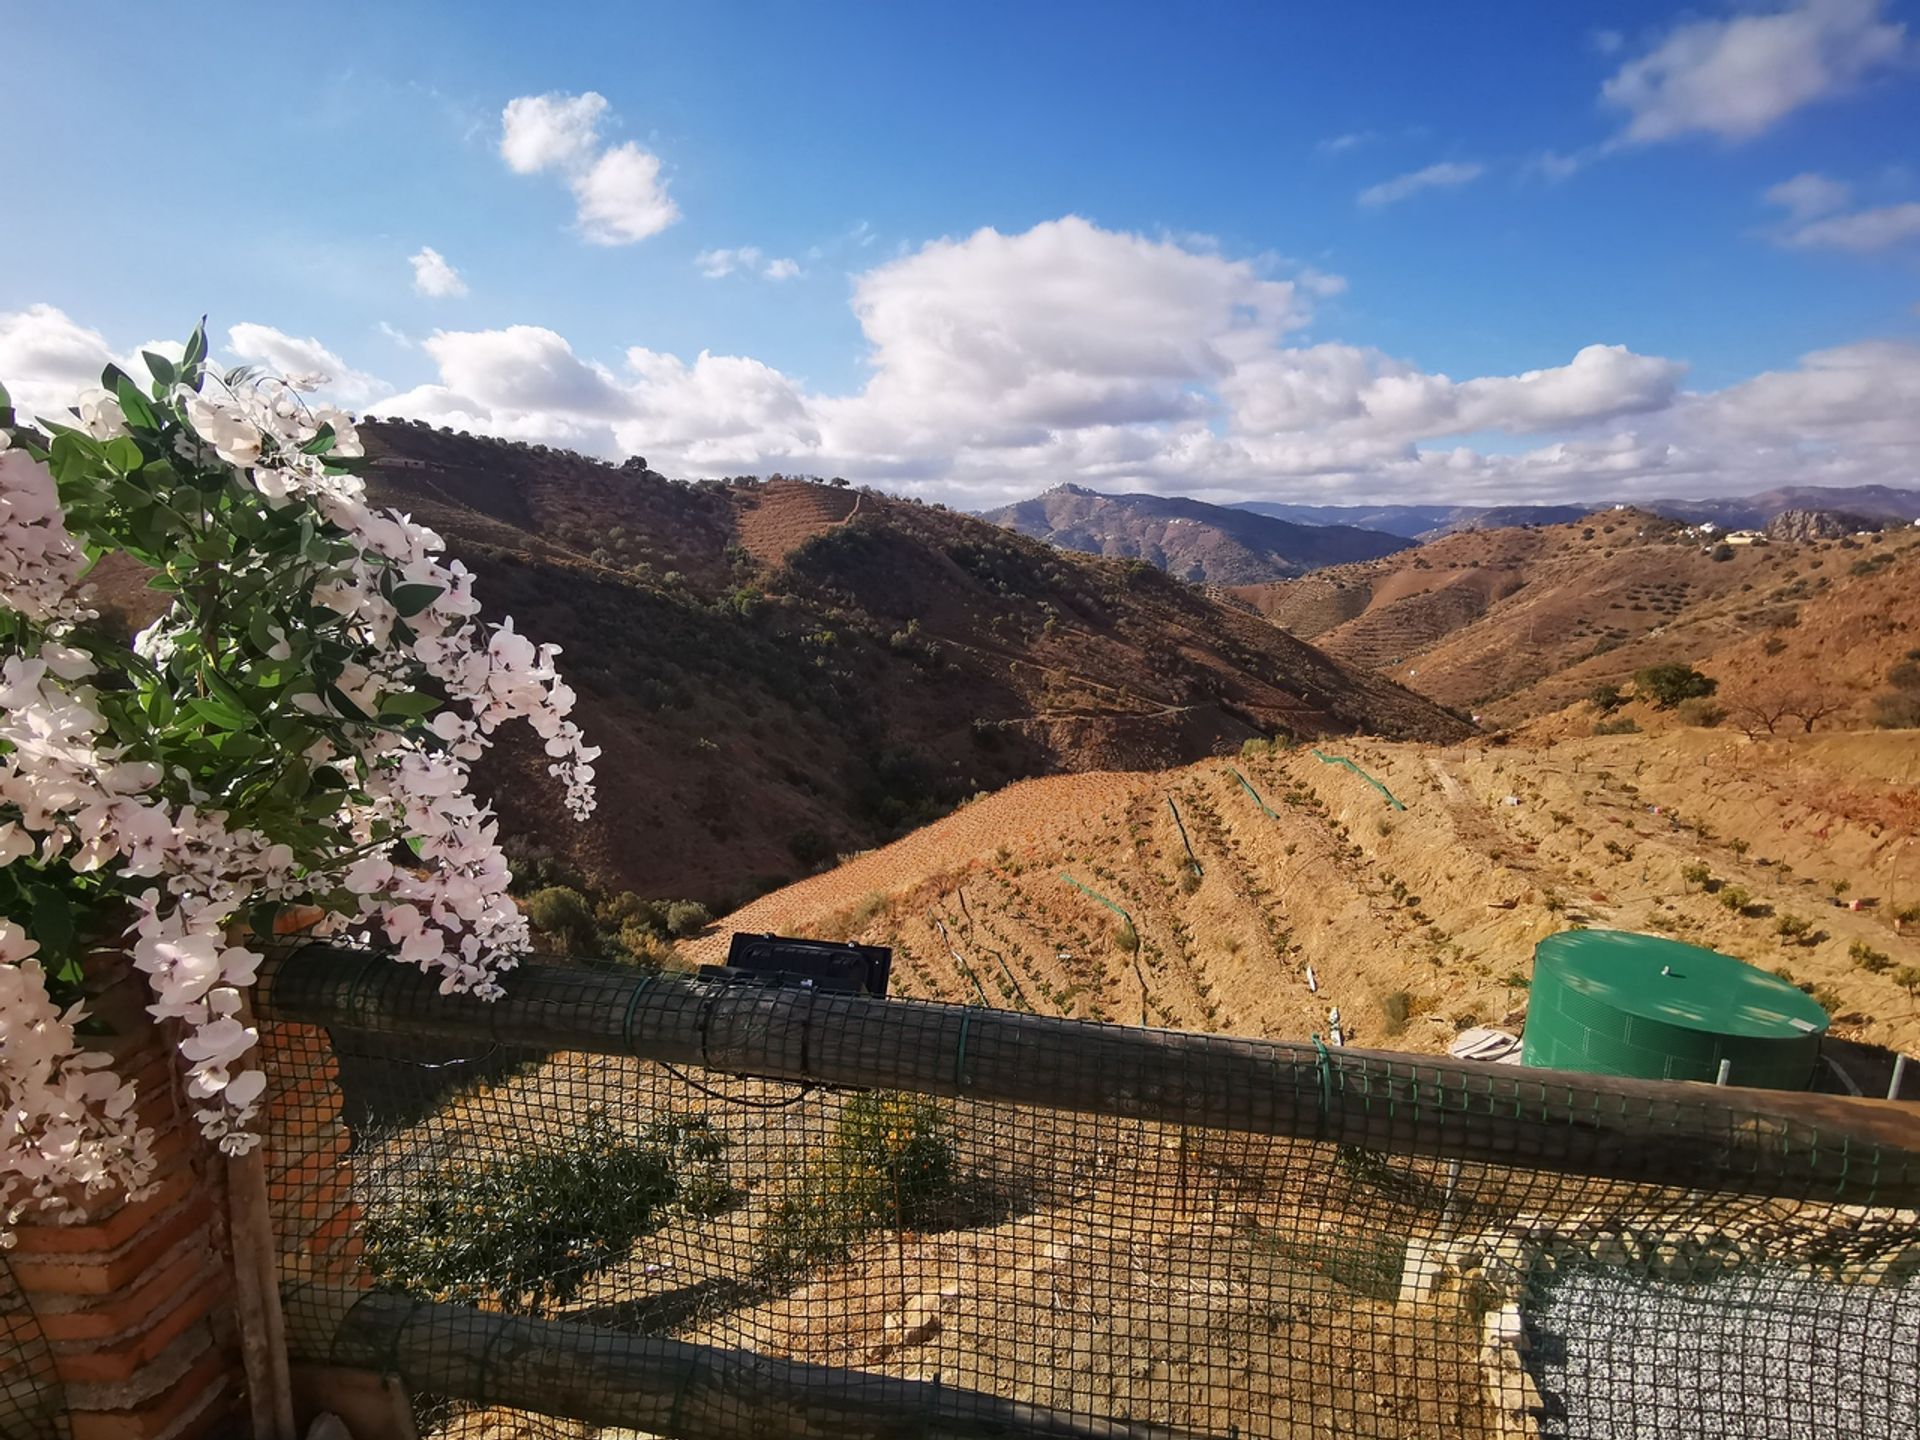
{"points": [[840, 967]]}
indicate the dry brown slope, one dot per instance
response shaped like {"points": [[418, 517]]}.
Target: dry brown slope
{"points": [[865, 672], [1437, 907]]}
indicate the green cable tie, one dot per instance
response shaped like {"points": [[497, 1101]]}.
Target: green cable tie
{"points": [[633, 1003], [960, 1054], [1325, 1066]]}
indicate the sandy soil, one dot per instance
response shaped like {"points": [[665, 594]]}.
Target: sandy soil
{"points": [[1434, 909]]}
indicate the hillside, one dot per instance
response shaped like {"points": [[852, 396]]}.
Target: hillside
{"points": [[1519, 623], [1213, 544], [1418, 522], [783, 672], [1733, 512], [1415, 923]]}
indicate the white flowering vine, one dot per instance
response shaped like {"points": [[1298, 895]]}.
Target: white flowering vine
{"points": [[297, 727]]}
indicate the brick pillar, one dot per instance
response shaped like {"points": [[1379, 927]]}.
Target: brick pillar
{"points": [[135, 1304]]}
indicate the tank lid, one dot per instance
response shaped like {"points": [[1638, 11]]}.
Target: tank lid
{"points": [[1689, 986]]}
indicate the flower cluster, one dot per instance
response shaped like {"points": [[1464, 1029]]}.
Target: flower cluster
{"points": [[297, 726]]}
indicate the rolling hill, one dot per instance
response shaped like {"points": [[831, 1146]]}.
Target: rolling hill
{"points": [[1519, 623], [1414, 923], [1214, 544], [782, 672], [1737, 512]]}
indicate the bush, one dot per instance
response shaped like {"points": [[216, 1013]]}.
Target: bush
{"points": [[1606, 697], [1701, 712], [889, 1166], [561, 912], [1696, 873], [1668, 685], [1625, 725], [810, 847], [1722, 551], [1793, 928], [687, 917], [1736, 898], [1869, 959], [1897, 710], [528, 1231]]}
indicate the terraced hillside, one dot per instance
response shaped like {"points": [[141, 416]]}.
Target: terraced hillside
{"points": [[1519, 623], [1415, 923], [782, 672]]}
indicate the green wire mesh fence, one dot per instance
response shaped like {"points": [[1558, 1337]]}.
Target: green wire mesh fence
{"points": [[616, 1204], [32, 1402]]}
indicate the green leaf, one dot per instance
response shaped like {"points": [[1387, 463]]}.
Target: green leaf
{"points": [[410, 600], [221, 717], [224, 692], [162, 370], [52, 924], [6, 408], [134, 405], [410, 703], [321, 443], [124, 455]]}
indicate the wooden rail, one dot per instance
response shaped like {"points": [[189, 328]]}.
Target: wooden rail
{"points": [[1674, 1134], [656, 1386]]}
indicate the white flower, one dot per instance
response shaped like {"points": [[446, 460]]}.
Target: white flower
{"points": [[100, 415], [234, 438]]}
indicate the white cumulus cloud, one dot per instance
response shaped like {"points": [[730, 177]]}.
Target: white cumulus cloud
{"points": [[1737, 77], [1860, 231], [306, 360], [551, 132], [433, 276], [1445, 175], [745, 260], [618, 193], [999, 364], [1809, 194]]}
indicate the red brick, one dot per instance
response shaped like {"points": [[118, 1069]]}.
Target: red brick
{"points": [[104, 1274], [121, 1360], [191, 1270], [205, 1386], [109, 1233]]}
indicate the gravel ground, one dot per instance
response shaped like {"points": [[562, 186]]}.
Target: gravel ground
{"points": [[1784, 1356]]}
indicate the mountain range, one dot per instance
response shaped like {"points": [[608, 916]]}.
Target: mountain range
{"points": [[1191, 539], [1738, 512], [781, 672]]}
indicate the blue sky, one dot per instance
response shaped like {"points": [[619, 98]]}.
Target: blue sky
{"points": [[1331, 252]]}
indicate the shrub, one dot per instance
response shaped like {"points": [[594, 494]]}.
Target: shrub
{"points": [[1668, 685], [687, 917], [1869, 959], [1907, 977], [1793, 928], [1722, 551], [1625, 725], [1397, 1007], [563, 913], [1696, 873], [810, 847], [1736, 898], [1700, 712], [528, 1231], [889, 1166], [1897, 710], [1606, 697]]}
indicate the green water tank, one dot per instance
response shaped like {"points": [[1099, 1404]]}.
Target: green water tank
{"points": [[1614, 1003]]}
